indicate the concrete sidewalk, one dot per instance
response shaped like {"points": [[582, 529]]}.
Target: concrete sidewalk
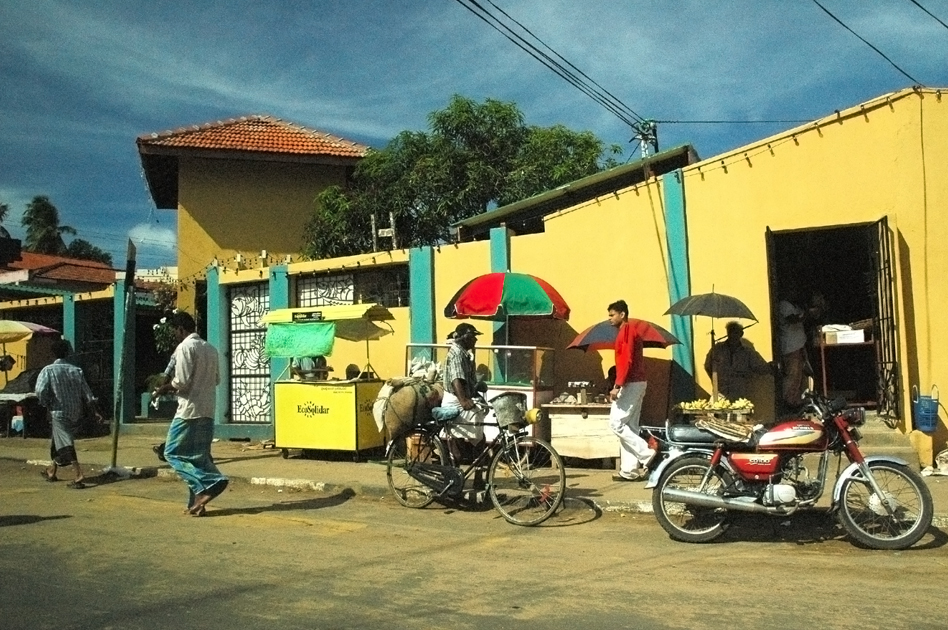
{"points": [[255, 464]]}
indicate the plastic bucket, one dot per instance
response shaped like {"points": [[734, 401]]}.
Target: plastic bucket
{"points": [[925, 409]]}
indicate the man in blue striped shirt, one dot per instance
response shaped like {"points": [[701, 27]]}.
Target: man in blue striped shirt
{"points": [[63, 390]]}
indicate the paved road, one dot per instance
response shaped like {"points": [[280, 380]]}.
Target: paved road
{"points": [[122, 556]]}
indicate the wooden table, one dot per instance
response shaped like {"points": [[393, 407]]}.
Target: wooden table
{"points": [[582, 430]]}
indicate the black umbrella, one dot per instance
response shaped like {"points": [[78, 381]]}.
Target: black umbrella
{"points": [[713, 305]]}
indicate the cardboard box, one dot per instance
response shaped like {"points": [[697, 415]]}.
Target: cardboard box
{"points": [[844, 336]]}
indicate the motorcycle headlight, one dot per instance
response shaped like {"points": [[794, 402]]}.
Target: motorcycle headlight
{"points": [[856, 416]]}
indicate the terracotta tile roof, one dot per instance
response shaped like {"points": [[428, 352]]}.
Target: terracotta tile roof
{"points": [[256, 133], [60, 269]]}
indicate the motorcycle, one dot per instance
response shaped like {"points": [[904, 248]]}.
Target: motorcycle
{"points": [[708, 473]]}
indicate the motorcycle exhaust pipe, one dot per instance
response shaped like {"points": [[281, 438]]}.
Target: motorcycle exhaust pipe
{"points": [[700, 499]]}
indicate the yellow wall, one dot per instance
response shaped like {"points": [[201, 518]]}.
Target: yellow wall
{"points": [[594, 254], [881, 159], [226, 207], [877, 160], [454, 266]]}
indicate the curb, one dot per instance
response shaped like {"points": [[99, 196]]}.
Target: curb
{"points": [[309, 485]]}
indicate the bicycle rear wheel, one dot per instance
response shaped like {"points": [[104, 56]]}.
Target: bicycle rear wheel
{"points": [[418, 447], [527, 481]]}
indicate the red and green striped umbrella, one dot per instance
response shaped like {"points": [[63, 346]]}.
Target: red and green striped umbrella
{"points": [[497, 296]]}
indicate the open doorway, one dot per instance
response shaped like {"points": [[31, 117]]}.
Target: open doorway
{"points": [[845, 274]]}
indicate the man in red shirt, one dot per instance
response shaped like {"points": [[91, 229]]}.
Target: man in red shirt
{"points": [[627, 396]]}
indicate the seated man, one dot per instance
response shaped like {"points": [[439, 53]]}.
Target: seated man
{"points": [[310, 368], [736, 362], [460, 387]]}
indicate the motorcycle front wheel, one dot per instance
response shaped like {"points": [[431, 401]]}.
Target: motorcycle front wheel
{"points": [[690, 523], [863, 513]]}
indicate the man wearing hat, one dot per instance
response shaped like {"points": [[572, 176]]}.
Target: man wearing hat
{"points": [[460, 381], [736, 361]]}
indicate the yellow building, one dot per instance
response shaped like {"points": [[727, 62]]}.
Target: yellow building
{"points": [[851, 206], [243, 190]]}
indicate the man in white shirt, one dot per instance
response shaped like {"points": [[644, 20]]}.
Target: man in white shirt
{"points": [[188, 445]]}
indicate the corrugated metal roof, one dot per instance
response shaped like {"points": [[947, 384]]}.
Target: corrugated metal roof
{"points": [[526, 215]]}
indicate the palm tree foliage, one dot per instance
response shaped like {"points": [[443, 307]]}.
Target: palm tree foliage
{"points": [[44, 234]]}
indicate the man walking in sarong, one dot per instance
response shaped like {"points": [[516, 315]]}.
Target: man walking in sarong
{"points": [[188, 445], [63, 390]]}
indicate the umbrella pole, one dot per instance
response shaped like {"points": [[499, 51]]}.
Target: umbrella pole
{"points": [[714, 366]]}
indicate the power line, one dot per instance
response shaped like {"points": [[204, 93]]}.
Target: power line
{"points": [[491, 20], [603, 90], [929, 13], [894, 65], [729, 122]]}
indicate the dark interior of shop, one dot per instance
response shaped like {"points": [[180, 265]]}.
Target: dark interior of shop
{"points": [[838, 264]]}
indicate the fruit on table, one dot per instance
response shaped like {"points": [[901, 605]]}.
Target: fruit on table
{"points": [[721, 404]]}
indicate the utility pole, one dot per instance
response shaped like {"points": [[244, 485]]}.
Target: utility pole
{"points": [[646, 132], [388, 232]]}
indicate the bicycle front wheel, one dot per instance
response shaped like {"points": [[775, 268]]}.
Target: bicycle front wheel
{"points": [[406, 453], [527, 481]]}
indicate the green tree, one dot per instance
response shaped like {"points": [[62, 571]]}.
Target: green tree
{"points": [[44, 234], [4, 209], [475, 156], [80, 248]]}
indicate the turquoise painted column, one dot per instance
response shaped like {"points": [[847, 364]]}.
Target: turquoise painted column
{"points": [[217, 337], [679, 285], [421, 295], [279, 287], [69, 319], [499, 263]]}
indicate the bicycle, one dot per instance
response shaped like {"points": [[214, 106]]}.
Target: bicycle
{"points": [[526, 480]]}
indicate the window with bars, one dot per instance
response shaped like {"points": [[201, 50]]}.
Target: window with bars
{"points": [[387, 286]]}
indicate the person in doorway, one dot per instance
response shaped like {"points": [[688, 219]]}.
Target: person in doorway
{"points": [[627, 395], [794, 362], [63, 390], [460, 387], [736, 362], [188, 445]]}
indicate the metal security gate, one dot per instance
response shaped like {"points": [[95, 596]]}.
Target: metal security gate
{"points": [[888, 346], [249, 365]]}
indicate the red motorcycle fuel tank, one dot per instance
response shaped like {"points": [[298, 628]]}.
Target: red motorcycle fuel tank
{"points": [[755, 466], [799, 435]]}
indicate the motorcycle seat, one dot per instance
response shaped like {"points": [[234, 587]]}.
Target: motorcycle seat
{"points": [[691, 434]]}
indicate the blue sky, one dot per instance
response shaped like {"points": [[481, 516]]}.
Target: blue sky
{"points": [[81, 79]]}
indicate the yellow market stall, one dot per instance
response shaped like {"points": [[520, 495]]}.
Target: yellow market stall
{"points": [[325, 414]]}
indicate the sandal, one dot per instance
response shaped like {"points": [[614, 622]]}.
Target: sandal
{"points": [[76, 485], [198, 511], [48, 477]]}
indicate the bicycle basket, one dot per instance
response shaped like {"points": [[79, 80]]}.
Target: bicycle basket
{"points": [[509, 408]]}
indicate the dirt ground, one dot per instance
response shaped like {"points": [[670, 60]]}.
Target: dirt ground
{"points": [[122, 555]]}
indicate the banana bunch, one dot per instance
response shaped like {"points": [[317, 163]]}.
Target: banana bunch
{"points": [[721, 404], [742, 404]]}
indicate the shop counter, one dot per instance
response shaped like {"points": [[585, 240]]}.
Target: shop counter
{"points": [[326, 415], [581, 430]]}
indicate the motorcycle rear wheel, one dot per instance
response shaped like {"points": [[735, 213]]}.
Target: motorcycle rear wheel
{"points": [[865, 518], [689, 523]]}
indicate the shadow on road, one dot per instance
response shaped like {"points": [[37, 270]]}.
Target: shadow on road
{"points": [[8, 520], [807, 528], [288, 506]]}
